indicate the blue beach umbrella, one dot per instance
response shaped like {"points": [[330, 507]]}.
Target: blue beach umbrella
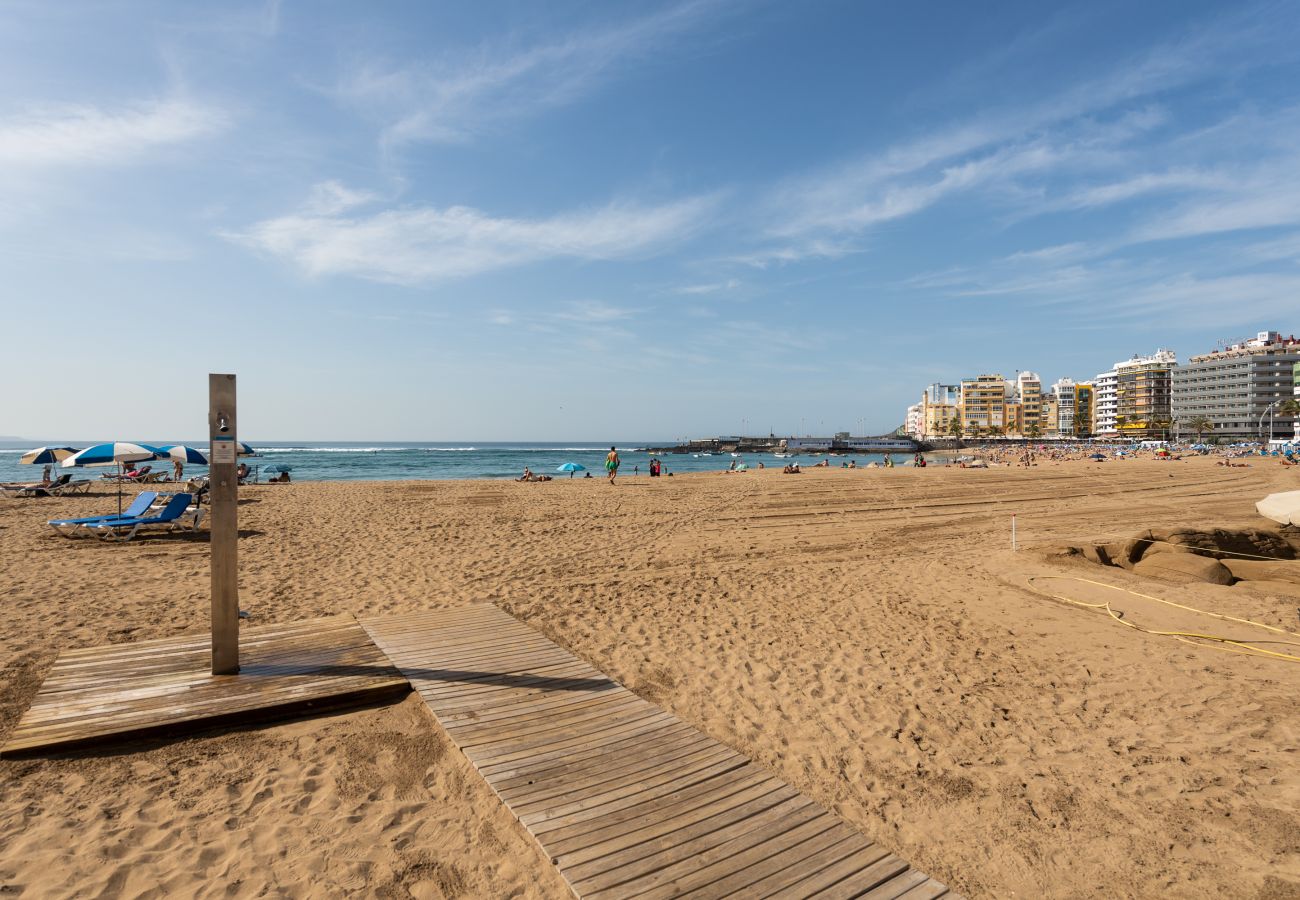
{"points": [[113, 453], [46, 456], [571, 467], [183, 453]]}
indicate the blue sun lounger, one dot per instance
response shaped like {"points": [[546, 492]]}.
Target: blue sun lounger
{"points": [[138, 508], [170, 515]]}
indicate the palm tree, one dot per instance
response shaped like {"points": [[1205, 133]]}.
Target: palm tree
{"points": [[995, 431], [1200, 424], [954, 427], [1033, 431]]}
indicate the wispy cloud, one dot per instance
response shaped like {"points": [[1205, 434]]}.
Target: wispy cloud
{"points": [[425, 244], [713, 287], [1260, 201], [450, 100], [1061, 152], [80, 135], [594, 311]]}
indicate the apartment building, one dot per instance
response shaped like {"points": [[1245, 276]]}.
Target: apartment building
{"points": [[1029, 394], [1143, 394], [1083, 410], [1063, 393], [914, 424], [940, 404], [1105, 404], [1049, 417], [1238, 388], [983, 404]]}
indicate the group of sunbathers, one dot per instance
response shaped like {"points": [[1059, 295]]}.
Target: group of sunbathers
{"points": [[529, 475]]}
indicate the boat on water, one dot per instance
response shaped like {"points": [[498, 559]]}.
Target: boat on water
{"points": [[736, 455], [781, 455]]}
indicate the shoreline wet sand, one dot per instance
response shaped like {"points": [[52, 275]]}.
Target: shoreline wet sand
{"points": [[867, 635]]}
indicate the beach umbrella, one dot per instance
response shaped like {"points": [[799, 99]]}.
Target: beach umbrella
{"points": [[113, 453], [571, 467], [1282, 508], [46, 456], [183, 453]]}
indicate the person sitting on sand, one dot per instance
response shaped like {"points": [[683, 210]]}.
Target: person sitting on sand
{"points": [[241, 473], [527, 476]]}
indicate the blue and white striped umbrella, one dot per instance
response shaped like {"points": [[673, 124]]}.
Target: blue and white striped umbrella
{"points": [[110, 454], [45, 456], [183, 453]]}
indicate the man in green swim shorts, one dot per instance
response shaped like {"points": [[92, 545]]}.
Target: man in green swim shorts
{"points": [[611, 464]]}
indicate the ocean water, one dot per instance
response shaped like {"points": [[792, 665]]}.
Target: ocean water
{"points": [[411, 461]]}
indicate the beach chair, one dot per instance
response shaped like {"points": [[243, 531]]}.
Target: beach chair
{"points": [[171, 516], [127, 479], [80, 486], [139, 506], [40, 490]]}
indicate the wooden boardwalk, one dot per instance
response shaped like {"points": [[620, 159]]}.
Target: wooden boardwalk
{"points": [[626, 800], [150, 686]]}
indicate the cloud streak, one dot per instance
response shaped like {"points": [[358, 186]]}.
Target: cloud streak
{"points": [[453, 100], [90, 135], [424, 244]]}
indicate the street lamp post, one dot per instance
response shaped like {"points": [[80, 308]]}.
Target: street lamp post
{"points": [[1268, 411]]}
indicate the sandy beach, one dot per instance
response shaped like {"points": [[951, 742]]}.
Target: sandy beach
{"points": [[867, 635]]}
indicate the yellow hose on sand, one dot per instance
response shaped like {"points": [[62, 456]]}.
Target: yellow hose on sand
{"points": [[1187, 637]]}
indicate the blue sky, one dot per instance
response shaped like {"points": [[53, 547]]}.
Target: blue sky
{"points": [[504, 221]]}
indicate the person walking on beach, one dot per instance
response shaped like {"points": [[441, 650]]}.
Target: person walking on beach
{"points": [[611, 464], [178, 469]]}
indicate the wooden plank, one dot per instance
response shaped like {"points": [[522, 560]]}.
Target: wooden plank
{"points": [[865, 877], [715, 854], [157, 685], [835, 843], [929, 889], [897, 887], [562, 772], [680, 757], [622, 796], [650, 849], [672, 795]]}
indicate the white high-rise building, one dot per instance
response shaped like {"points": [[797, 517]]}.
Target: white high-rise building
{"points": [[1063, 390], [1107, 403], [915, 423], [1134, 394]]}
